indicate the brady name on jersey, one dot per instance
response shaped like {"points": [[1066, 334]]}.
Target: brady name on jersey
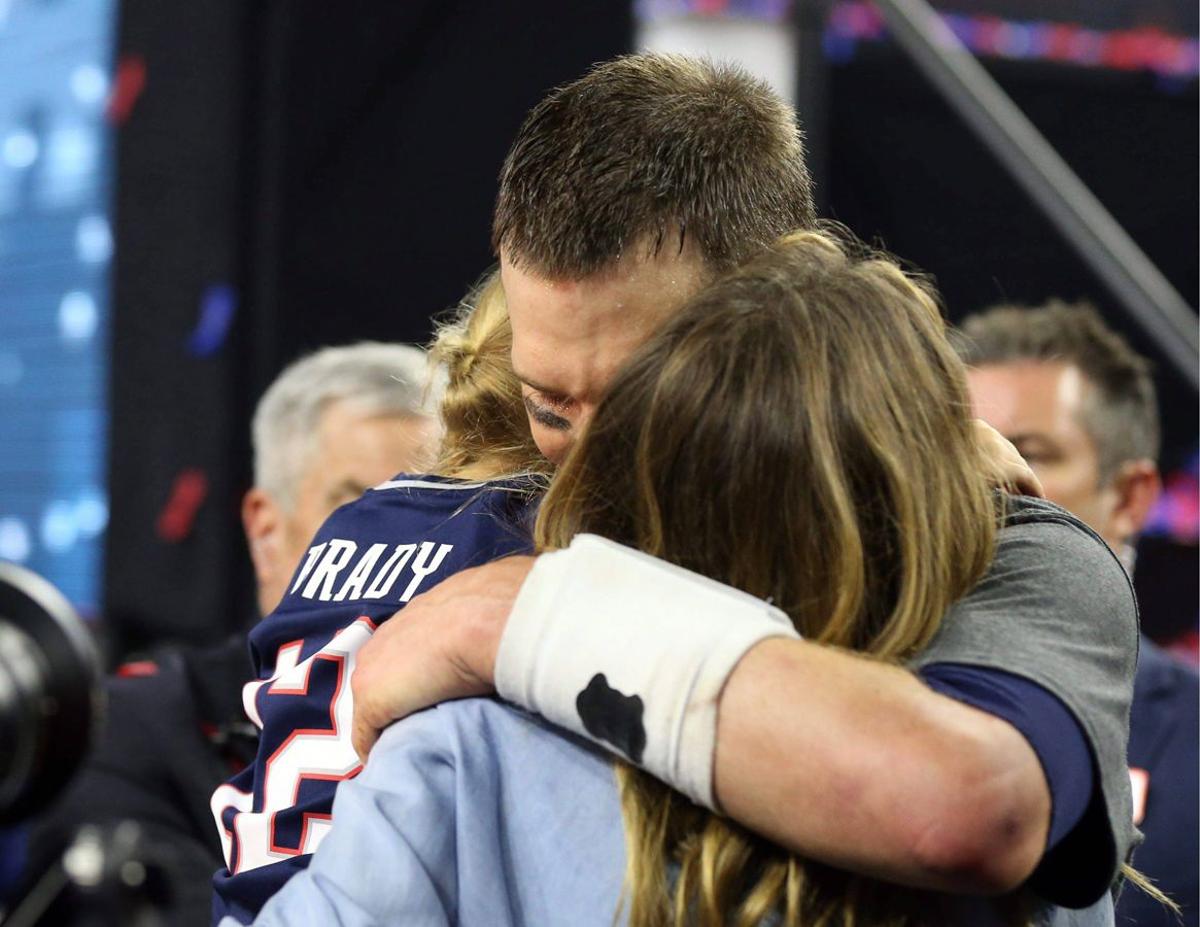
{"points": [[369, 558]]}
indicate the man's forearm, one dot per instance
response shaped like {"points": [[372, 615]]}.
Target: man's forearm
{"points": [[835, 756], [860, 765], [840, 757]]}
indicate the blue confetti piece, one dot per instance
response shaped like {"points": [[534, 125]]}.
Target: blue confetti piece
{"points": [[1039, 40], [1172, 84], [218, 304], [839, 48], [964, 27], [1019, 41]]}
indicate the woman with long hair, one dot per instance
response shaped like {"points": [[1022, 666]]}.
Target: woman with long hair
{"points": [[779, 435]]}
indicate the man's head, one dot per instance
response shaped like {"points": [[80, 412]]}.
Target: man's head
{"points": [[331, 425], [1078, 403], [624, 193]]}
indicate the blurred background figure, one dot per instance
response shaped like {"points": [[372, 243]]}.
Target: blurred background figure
{"points": [[1079, 404], [332, 425]]}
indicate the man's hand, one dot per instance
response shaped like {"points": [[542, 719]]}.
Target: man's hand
{"points": [[440, 646], [1007, 469]]}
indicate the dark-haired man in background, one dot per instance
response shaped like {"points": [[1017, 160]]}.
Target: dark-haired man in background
{"points": [[1079, 404]]}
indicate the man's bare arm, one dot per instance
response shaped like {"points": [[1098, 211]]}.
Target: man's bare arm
{"points": [[442, 646], [859, 764]]}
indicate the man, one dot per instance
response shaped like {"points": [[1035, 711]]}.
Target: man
{"points": [[622, 194], [1079, 405], [333, 425], [330, 426]]}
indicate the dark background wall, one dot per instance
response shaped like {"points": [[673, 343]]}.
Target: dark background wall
{"points": [[386, 135], [905, 170], [173, 548]]}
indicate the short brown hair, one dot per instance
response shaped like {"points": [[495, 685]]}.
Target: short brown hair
{"points": [[1121, 413], [659, 146]]}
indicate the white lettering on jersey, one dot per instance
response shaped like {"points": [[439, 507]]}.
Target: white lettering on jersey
{"points": [[387, 574], [368, 579], [313, 554], [423, 566], [320, 584], [306, 754], [285, 661], [359, 575], [226, 796]]}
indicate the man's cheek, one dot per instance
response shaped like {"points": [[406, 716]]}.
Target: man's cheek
{"points": [[553, 444]]}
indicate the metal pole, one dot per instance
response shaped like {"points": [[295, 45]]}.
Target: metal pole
{"points": [[1082, 219]]}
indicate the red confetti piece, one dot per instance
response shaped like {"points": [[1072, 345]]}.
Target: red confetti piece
{"points": [[989, 30], [1058, 41], [128, 86], [136, 668], [176, 520]]}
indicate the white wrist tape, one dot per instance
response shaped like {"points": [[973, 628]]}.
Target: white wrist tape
{"points": [[631, 652]]}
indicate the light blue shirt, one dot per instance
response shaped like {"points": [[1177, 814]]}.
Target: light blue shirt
{"points": [[478, 814], [471, 813]]}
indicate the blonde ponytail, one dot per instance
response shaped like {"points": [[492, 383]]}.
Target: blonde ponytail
{"points": [[486, 431]]}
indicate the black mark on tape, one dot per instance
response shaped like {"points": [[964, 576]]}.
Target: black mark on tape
{"points": [[613, 716]]}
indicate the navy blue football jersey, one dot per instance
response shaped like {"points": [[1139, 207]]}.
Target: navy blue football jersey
{"points": [[369, 558]]}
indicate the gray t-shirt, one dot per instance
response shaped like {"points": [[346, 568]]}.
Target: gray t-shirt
{"points": [[1057, 608]]}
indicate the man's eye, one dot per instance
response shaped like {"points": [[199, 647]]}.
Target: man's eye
{"points": [[545, 417]]}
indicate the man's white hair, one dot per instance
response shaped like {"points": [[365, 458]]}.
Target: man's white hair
{"points": [[374, 377]]}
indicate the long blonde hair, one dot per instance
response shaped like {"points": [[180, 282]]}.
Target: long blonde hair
{"points": [[800, 430], [485, 428]]}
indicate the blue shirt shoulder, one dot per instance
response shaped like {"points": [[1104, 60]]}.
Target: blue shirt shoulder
{"points": [[1164, 760]]}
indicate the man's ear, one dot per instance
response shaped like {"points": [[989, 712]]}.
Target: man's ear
{"points": [[1137, 485], [262, 520]]}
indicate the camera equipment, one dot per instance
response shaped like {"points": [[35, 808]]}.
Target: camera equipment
{"points": [[49, 692]]}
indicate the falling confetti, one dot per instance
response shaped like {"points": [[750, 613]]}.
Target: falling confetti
{"points": [[137, 668], [128, 86], [1176, 514], [217, 307], [178, 516], [1143, 48]]}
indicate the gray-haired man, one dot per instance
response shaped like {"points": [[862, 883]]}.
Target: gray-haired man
{"points": [[334, 424]]}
